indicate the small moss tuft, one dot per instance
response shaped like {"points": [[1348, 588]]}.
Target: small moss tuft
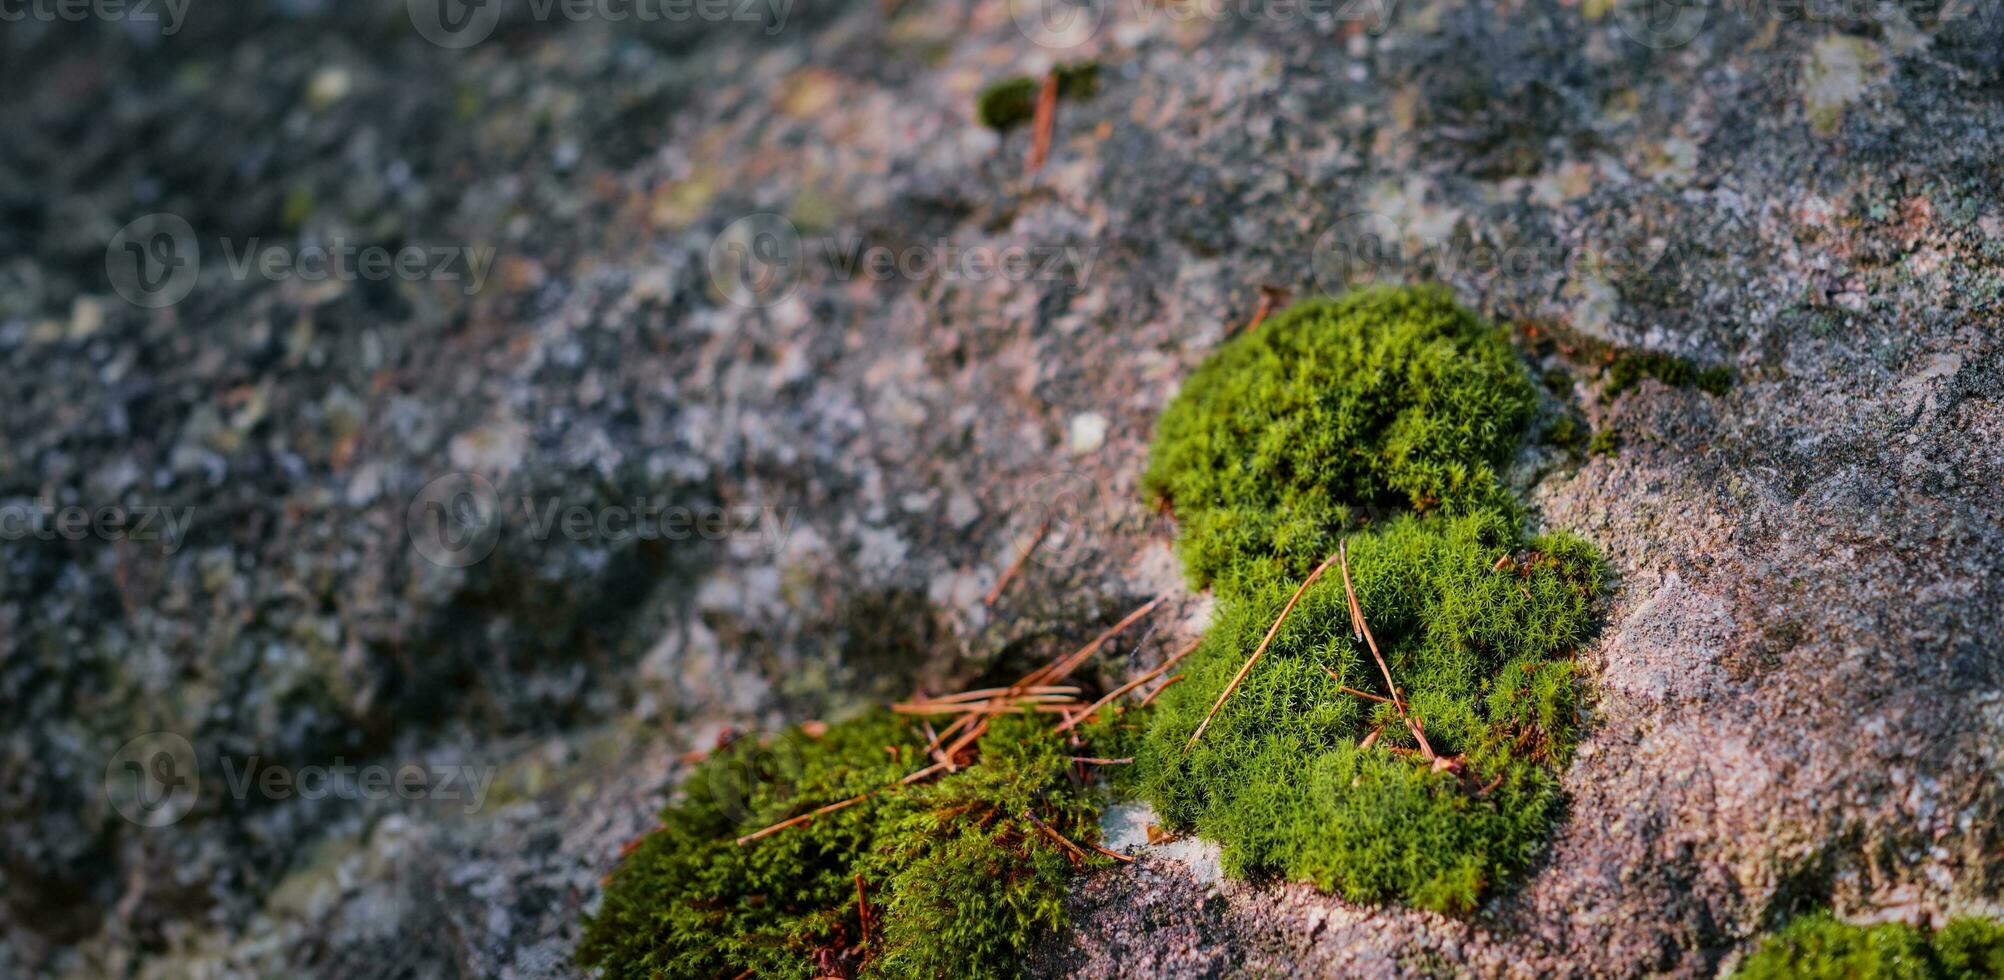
{"points": [[1606, 442], [1011, 101], [1818, 947], [1566, 432], [1283, 442], [1332, 412], [957, 881], [1631, 367]]}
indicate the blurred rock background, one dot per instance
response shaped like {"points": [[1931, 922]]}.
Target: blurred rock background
{"points": [[1796, 698]]}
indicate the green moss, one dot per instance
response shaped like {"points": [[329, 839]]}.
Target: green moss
{"points": [[1012, 101], [1566, 433], [1631, 367], [1278, 778], [1606, 442], [1331, 412], [958, 881], [1818, 947]]}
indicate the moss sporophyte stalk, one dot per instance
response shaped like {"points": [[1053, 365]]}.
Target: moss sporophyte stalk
{"points": [[1420, 771]]}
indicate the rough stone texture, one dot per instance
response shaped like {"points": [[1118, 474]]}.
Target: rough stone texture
{"points": [[1797, 696]]}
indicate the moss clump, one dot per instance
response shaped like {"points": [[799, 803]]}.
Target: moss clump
{"points": [[1011, 102], [1631, 367], [1566, 432], [1818, 947], [1329, 411], [1279, 780], [1292, 435], [1606, 442], [957, 880]]}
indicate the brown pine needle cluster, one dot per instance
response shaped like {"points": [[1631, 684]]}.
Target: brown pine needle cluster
{"points": [[1040, 690]]}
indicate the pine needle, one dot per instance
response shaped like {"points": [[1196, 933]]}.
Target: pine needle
{"points": [[1046, 115], [1009, 574], [1357, 616], [1082, 716], [1271, 632]]}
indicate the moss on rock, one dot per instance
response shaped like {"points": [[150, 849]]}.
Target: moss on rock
{"points": [[1287, 440], [1818, 947], [1010, 102], [1631, 367], [958, 879], [1294, 434]]}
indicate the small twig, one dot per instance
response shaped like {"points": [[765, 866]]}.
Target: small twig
{"points": [[1150, 675], [1047, 112], [1271, 632], [1159, 688], [989, 706], [932, 748], [1357, 615], [989, 692], [863, 909], [1268, 295], [930, 770], [967, 738], [1054, 835], [1116, 855], [1062, 668], [1370, 740], [1366, 695], [1009, 574], [805, 817]]}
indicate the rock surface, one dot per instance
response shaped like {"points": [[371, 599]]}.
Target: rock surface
{"points": [[1798, 698]]}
